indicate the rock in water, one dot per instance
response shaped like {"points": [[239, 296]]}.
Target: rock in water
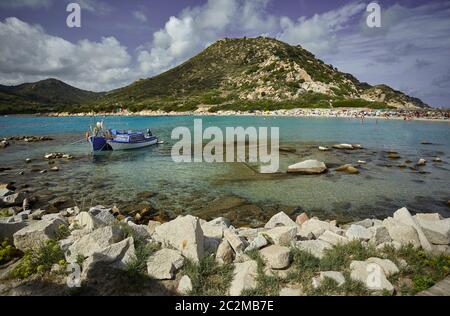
{"points": [[15, 199], [276, 257], [344, 146], [421, 162], [348, 169], [184, 234], [308, 167], [163, 264], [244, 278], [36, 234]]}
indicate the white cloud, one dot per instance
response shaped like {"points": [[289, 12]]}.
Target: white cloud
{"points": [[94, 6], [140, 16], [29, 54], [26, 3], [409, 52], [319, 33], [190, 32]]}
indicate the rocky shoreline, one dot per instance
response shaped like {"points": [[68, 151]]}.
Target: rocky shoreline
{"points": [[190, 256], [351, 113]]}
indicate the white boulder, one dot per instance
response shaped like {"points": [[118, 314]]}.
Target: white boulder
{"points": [[225, 253], [356, 232], [94, 242], [36, 234], [338, 277], [184, 234], [314, 247], [237, 243], [281, 236], [276, 257], [280, 219], [244, 277], [371, 275], [404, 216], [185, 285], [163, 264]]}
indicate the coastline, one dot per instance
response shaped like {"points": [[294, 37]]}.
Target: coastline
{"points": [[348, 113]]}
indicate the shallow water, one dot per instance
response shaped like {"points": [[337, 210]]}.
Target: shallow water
{"points": [[117, 177]]}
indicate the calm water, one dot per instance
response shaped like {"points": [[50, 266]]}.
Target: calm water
{"points": [[118, 177]]}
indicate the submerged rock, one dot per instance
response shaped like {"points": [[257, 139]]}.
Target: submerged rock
{"points": [[308, 167], [348, 169], [344, 146]]}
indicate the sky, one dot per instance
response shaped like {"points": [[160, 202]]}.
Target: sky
{"points": [[120, 42]]}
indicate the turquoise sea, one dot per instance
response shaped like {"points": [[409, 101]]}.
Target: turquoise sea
{"points": [[117, 178]]}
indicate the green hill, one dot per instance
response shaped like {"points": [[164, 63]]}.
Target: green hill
{"points": [[49, 95], [250, 74]]}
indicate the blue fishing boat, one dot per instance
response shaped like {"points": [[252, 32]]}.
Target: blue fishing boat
{"points": [[102, 139]]}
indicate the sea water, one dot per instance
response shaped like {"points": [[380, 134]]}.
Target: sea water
{"points": [[380, 188]]}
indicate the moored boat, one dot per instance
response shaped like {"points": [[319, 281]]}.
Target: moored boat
{"points": [[102, 139]]}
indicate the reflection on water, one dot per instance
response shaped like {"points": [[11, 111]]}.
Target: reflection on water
{"points": [[237, 189]]}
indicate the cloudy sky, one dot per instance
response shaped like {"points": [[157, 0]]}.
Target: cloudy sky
{"points": [[122, 41]]}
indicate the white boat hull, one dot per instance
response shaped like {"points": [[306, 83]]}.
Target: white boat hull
{"points": [[127, 146]]}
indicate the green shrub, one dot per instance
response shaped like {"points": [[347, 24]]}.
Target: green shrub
{"points": [[7, 252], [208, 277], [39, 260]]}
